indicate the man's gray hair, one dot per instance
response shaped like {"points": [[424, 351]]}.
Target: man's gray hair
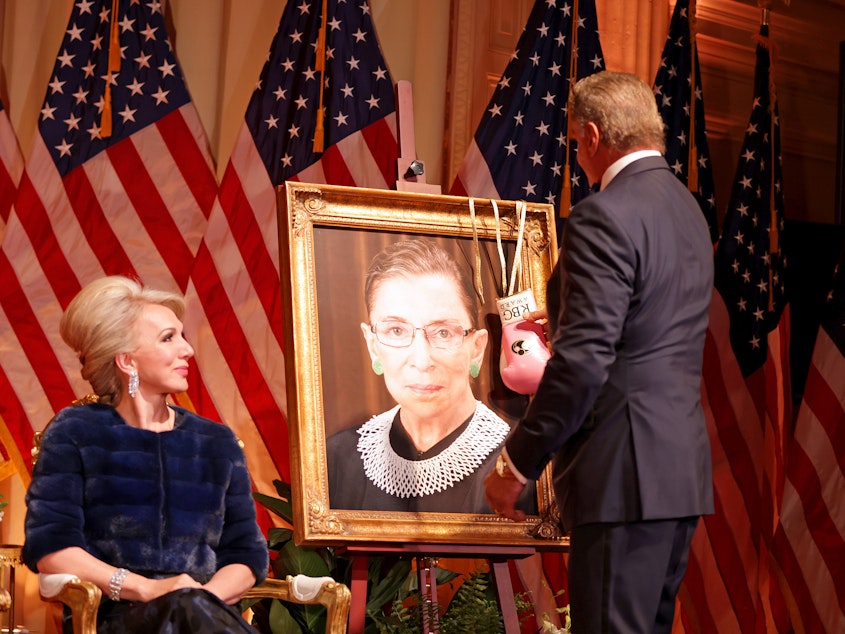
{"points": [[623, 107]]}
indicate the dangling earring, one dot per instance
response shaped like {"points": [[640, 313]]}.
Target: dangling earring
{"points": [[133, 383], [377, 367], [474, 370]]}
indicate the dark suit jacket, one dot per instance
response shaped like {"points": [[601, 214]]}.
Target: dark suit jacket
{"points": [[619, 406]]}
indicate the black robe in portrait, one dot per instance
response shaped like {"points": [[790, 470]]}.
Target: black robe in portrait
{"points": [[350, 488]]}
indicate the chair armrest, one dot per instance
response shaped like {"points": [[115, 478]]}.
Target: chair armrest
{"points": [[324, 591], [82, 597]]}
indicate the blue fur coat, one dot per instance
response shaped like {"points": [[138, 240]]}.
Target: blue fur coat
{"points": [[158, 504]]}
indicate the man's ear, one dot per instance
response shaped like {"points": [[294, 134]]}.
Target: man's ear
{"points": [[592, 137]]}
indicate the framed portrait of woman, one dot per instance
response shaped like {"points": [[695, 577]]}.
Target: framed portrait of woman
{"points": [[393, 345]]}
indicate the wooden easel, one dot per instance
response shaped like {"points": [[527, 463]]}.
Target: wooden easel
{"points": [[426, 556], [410, 172], [410, 177]]}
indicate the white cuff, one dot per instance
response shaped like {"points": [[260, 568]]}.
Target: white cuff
{"points": [[521, 478]]}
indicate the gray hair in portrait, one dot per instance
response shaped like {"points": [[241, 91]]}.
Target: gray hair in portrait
{"points": [[410, 258]]}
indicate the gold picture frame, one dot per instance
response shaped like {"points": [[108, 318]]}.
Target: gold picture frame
{"points": [[327, 235]]}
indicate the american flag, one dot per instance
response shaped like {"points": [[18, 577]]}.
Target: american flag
{"points": [[810, 540], [11, 166], [519, 149], [119, 181], [519, 152], [234, 315], [746, 389], [686, 137]]}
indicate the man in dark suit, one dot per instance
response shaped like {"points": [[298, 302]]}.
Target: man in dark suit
{"points": [[618, 410]]}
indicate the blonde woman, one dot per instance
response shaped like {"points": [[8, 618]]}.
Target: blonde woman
{"points": [[149, 501]]}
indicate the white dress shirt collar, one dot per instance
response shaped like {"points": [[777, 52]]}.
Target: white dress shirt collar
{"points": [[620, 164]]}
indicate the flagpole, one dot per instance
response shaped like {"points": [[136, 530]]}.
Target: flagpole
{"points": [[692, 180], [773, 224], [566, 191], [113, 67], [320, 67]]}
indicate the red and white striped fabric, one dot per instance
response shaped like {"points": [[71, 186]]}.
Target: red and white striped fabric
{"points": [[810, 541], [727, 585], [133, 203], [11, 166], [746, 392], [234, 318]]}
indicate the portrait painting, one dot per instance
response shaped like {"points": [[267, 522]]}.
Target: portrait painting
{"points": [[393, 350]]}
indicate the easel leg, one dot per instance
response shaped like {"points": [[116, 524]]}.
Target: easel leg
{"points": [[358, 609], [504, 593], [427, 577]]}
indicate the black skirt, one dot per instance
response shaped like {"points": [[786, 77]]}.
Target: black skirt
{"points": [[186, 611]]}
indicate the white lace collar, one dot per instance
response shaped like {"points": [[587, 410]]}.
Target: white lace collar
{"points": [[405, 478]]}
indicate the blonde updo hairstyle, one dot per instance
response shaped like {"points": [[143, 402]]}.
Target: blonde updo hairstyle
{"points": [[99, 324]]}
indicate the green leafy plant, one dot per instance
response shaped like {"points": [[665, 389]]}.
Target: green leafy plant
{"points": [[394, 602], [473, 608], [549, 627], [3, 504], [388, 576]]}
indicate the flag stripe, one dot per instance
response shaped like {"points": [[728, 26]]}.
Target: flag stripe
{"points": [[827, 406], [826, 536], [794, 579], [35, 221], [735, 426], [7, 197], [189, 158], [262, 270], [134, 203], [730, 562], [230, 265], [11, 166], [27, 328], [474, 176], [235, 348], [697, 597], [380, 138], [811, 537], [93, 222], [235, 283], [14, 418], [746, 378], [151, 210]]}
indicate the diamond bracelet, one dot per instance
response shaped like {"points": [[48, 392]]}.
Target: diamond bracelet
{"points": [[116, 583]]}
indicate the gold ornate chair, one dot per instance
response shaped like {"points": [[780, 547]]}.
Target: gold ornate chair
{"points": [[83, 597]]}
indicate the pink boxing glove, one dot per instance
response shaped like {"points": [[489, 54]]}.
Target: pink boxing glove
{"points": [[524, 352]]}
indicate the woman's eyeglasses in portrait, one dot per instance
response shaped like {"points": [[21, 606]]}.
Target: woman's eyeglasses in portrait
{"points": [[443, 335]]}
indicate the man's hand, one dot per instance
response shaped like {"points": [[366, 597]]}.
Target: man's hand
{"points": [[536, 315], [502, 494]]}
